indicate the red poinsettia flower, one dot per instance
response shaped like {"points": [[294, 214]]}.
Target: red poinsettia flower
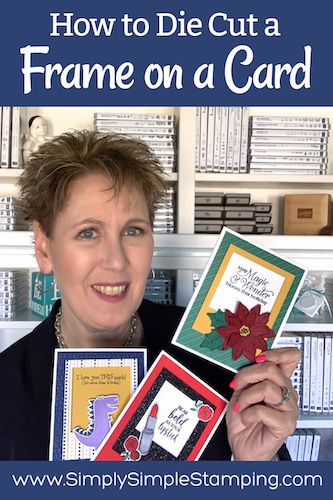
{"points": [[246, 331]]}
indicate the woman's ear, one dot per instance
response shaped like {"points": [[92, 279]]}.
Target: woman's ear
{"points": [[42, 250]]}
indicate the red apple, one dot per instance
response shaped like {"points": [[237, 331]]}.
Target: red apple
{"points": [[131, 443], [205, 413]]}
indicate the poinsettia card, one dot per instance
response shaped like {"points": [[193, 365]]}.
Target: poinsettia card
{"points": [[91, 387], [241, 304], [172, 416]]}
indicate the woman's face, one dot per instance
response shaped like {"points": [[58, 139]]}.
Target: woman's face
{"points": [[100, 251]]}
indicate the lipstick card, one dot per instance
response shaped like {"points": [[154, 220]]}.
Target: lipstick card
{"points": [[172, 416], [90, 390], [241, 304]]}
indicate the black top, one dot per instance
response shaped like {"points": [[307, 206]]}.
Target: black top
{"points": [[26, 380]]}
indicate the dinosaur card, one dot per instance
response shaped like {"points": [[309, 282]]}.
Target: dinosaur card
{"points": [[172, 416], [90, 390], [241, 303]]}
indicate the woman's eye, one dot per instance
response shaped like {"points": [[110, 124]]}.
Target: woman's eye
{"points": [[87, 234], [133, 231]]}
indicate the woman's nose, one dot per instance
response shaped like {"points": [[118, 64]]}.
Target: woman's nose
{"points": [[114, 256]]}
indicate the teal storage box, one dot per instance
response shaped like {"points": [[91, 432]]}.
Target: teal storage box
{"points": [[44, 293]]}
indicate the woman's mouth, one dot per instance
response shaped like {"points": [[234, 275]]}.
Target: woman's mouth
{"points": [[110, 291]]}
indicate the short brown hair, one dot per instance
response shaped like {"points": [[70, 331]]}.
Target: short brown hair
{"points": [[50, 171]]}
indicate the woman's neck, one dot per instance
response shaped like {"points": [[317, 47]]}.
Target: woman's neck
{"points": [[76, 334]]}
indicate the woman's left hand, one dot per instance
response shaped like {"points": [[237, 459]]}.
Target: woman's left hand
{"points": [[257, 422]]}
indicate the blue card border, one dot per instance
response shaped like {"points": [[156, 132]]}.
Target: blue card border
{"points": [[58, 393]]}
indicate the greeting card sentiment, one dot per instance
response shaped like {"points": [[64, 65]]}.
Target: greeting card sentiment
{"points": [[90, 390], [174, 424], [241, 303], [172, 416]]}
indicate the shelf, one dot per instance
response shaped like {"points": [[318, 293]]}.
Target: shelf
{"points": [[172, 177], [315, 422], [23, 320], [10, 174], [316, 248], [186, 251], [302, 323], [17, 250], [21, 239], [27, 319], [262, 180], [206, 242]]}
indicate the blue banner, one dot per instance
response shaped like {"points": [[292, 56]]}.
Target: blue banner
{"points": [[40, 480], [158, 53], [66, 52]]}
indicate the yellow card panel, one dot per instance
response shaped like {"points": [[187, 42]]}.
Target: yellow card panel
{"points": [[202, 322], [90, 382]]}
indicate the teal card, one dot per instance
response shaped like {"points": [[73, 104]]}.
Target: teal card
{"points": [[241, 304]]}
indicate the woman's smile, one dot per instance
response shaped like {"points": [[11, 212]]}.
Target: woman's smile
{"points": [[111, 293]]}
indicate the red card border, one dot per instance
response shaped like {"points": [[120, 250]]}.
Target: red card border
{"points": [[106, 452]]}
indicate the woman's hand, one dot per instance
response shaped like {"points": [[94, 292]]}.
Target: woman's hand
{"points": [[257, 422]]}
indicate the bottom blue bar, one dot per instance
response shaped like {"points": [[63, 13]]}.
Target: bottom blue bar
{"points": [[177, 479]]}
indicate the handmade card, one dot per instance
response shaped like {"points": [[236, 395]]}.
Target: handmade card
{"points": [[172, 416], [241, 304], [90, 390]]}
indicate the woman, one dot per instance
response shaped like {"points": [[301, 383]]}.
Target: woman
{"points": [[92, 201]]}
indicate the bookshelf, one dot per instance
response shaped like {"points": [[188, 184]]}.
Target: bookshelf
{"points": [[185, 251], [263, 180], [315, 422]]}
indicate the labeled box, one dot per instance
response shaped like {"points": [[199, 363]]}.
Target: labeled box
{"points": [[209, 198], [306, 214], [44, 293], [237, 199]]}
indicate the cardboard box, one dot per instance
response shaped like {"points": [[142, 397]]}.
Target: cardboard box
{"points": [[44, 293], [306, 214]]}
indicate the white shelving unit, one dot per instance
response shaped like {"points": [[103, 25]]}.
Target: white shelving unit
{"points": [[320, 324], [187, 252], [25, 320], [315, 422]]}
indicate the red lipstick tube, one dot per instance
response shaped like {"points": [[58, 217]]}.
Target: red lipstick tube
{"points": [[147, 434]]}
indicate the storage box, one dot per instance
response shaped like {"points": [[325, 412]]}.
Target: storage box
{"points": [[264, 228], [262, 208], [239, 212], [237, 199], [263, 219], [208, 226], [209, 198], [242, 227], [306, 214], [213, 212], [44, 293]]}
